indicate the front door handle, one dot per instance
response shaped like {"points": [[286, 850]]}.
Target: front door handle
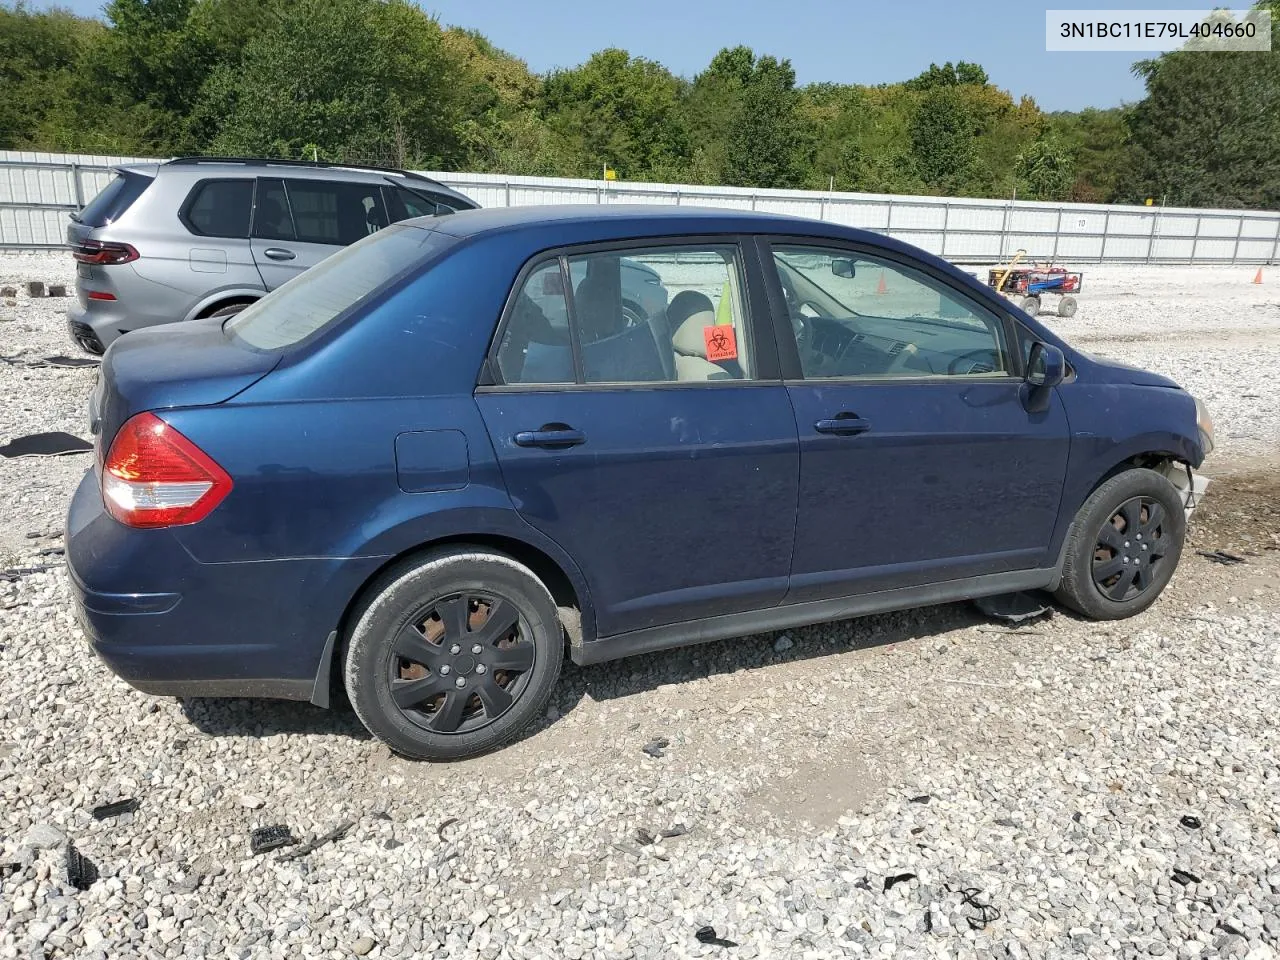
{"points": [[843, 425], [553, 436], [279, 253]]}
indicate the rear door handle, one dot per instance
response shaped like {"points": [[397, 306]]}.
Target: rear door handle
{"points": [[278, 253], [552, 437], [844, 425]]}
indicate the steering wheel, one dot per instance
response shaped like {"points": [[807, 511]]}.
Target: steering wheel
{"points": [[983, 355]]}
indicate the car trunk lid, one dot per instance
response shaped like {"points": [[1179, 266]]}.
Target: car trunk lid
{"points": [[190, 364]]}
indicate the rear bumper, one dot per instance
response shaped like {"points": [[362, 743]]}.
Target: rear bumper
{"points": [[97, 324], [170, 625]]}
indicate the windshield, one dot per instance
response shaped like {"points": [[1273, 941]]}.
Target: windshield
{"points": [[314, 299]]}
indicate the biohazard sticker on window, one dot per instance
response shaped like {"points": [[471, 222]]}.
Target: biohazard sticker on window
{"points": [[722, 342]]}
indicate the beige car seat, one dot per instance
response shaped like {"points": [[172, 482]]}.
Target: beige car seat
{"points": [[688, 314]]}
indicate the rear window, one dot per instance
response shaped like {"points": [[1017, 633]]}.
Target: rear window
{"points": [[312, 300], [334, 212], [220, 208], [114, 199]]}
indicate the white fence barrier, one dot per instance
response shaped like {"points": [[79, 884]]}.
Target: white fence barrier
{"points": [[38, 190]]}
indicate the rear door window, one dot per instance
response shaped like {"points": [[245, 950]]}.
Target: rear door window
{"points": [[336, 213], [219, 208], [271, 217], [316, 298], [114, 199]]}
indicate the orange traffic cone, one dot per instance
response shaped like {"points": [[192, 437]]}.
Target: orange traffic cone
{"points": [[880, 287], [1257, 277]]}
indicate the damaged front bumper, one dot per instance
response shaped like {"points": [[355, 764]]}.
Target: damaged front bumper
{"points": [[1191, 486]]}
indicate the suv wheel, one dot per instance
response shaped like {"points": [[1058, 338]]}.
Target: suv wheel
{"points": [[453, 654], [230, 310], [1123, 546]]}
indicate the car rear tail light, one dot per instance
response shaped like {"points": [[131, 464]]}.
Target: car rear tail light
{"points": [[99, 295], [153, 476], [102, 253]]}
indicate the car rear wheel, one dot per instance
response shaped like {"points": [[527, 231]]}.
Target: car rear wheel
{"points": [[1123, 546], [230, 310], [453, 654]]}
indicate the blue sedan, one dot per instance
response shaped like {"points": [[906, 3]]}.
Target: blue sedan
{"points": [[434, 464]]}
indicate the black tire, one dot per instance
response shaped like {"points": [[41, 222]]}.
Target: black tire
{"points": [[1031, 305], [230, 310], [467, 701], [1123, 546], [1067, 307]]}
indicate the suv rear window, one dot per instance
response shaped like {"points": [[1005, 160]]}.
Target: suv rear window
{"points": [[312, 300], [219, 208], [114, 199]]}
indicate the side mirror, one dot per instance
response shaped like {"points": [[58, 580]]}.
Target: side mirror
{"points": [[1046, 367], [843, 268]]}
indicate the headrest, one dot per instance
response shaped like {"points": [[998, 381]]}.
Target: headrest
{"points": [[689, 338], [684, 304]]}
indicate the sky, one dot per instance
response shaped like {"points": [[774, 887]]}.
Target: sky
{"points": [[843, 41]]}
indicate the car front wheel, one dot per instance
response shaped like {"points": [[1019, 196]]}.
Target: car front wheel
{"points": [[1123, 546], [453, 654]]}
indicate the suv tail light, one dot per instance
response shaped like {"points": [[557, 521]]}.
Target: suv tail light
{"points": [[153, 476], [103, 253]]}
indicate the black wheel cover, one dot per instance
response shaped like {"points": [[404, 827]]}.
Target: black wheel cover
{"points": [[460, 662], [1129, 549]]}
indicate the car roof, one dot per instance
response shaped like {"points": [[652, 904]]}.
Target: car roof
{"points": [[584, 223], [205, 167]]}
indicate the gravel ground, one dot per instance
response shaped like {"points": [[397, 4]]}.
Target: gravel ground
{"points": [[925, 784]]}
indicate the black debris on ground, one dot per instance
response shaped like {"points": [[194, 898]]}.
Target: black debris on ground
{"points": [[985, 912], [655, 747], [708, 935], [60, 360], [56, 290], [1014, 607], [1184, 877], [678, 830], [118, 808], [1190, 822], [923, 798], [15, 574], [337, 833], [266, 839], [81, 871], [445, 826], [644, 837], [54, 444], [892, 881], [1221, 556]]}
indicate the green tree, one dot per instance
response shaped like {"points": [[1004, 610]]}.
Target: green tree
{"points": [[943, 144], [1097, 141], [38, 54], [357, 79], [618, 110], [1046, 169], [949, 75], [766, 138], [1208, 131]]}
